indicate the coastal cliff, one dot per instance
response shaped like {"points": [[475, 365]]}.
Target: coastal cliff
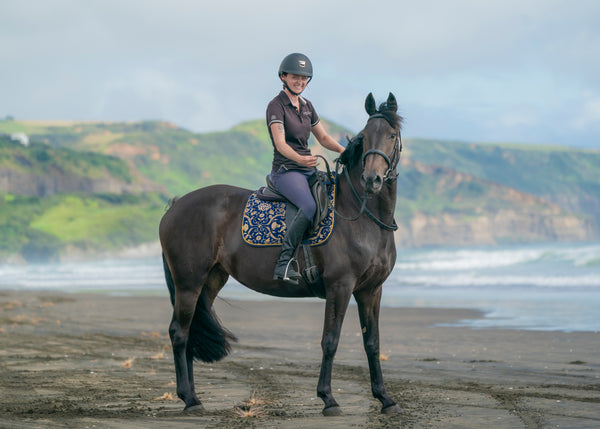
{"points": [[459, 209]]}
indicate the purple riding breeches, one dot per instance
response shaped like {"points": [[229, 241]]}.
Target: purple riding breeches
{"points": [[293, 184]]}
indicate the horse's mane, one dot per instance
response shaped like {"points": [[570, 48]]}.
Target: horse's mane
{"points": [[353, 153], [354, 148]]}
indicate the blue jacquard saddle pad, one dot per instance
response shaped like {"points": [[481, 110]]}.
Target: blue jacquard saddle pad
{"points": [[263, 222]]}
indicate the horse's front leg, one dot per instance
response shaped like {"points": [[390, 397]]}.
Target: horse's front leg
{"points": [[335, 310], [368, 302]]}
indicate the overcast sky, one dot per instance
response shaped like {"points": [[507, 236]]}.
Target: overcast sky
{"points": [[493, 70]]}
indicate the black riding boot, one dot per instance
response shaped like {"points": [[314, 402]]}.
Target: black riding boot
{"points": [[283, 269]]}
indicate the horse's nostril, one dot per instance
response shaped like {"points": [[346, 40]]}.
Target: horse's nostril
{"points": [[371, 183]]}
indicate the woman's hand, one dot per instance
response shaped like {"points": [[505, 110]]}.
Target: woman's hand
{"points": [[309, 160]]}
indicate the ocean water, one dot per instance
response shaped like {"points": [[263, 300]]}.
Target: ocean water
{"points": [[542, 287], [538, 287]]}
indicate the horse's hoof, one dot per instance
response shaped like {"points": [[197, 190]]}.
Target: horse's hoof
{"points": [[194, 409], [391, 409], [332, 411]]}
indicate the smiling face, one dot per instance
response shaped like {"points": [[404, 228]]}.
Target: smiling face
{"points": [[295, 82]]}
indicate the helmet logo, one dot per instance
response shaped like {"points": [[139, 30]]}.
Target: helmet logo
{"points": [[302, 63]]}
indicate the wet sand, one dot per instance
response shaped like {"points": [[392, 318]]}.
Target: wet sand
{"points": [[80, 360]]}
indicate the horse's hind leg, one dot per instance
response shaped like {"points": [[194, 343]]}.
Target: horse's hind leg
{"points": [[183, 313], [196, 332], [214, 283], [368, 309]]}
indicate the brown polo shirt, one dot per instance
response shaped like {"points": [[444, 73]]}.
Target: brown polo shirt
{"points": [[297, 125]]}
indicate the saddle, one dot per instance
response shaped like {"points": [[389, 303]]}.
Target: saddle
{"points": [[320, 186]]}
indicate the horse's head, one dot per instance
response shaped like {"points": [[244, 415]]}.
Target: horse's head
{"points": [[378, 145], [376, 149]]}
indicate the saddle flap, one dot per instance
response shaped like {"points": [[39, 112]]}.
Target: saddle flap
{"points": [[320, 184]]}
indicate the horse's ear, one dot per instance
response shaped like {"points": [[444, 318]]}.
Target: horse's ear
{"points": [[370, 106], [391, 103]]}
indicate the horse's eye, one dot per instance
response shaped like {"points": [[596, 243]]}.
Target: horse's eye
{"points": [[393, 136]]}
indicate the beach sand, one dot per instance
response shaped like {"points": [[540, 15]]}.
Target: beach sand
{"points": [[82, 360]]}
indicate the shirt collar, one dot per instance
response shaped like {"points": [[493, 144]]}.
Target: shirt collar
{"points": [[286, 99]]}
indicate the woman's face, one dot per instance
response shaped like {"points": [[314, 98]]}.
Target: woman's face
{"points": [[296, 82]]}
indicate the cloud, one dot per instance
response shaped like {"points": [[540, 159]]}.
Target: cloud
{"points": [[464, 67], [589, 115]]}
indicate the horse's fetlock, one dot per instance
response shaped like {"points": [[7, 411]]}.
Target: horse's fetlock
{"points": [[379, 393], [324, 393]]}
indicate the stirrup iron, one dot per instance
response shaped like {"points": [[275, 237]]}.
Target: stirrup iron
{"points": [[287, 268]]}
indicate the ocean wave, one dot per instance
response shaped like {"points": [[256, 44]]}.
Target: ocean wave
{"points": [[473, 259], [107, 274], [471, 280]]}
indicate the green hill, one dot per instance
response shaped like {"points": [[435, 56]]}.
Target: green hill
{"points": [[105, 185], [56, 199], [173, 157]]}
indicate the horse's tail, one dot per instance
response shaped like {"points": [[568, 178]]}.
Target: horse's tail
{"points": [[169, 280], [208, 339]]}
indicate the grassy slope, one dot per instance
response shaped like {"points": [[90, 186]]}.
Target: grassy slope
{"points": [[42, 228], [40, 159]]}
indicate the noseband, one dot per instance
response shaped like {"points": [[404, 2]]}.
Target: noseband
{"points": [[392, 161]]}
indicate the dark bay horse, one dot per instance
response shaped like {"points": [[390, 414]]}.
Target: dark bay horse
{"points": [[202, 246]]}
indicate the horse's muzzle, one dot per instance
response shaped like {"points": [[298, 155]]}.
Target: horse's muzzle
{"points": [[371, 183]]}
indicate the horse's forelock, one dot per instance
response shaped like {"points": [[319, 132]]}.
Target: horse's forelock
{"points": [[391, 116]]}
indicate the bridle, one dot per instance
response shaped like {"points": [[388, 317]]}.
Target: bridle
{"points": [[390, 175], [392, 161]]}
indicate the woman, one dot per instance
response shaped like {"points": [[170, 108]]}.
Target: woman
{"points": [[291, 119]]}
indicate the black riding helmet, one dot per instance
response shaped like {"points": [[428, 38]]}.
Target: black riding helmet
{"points": [[298, 64]]}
